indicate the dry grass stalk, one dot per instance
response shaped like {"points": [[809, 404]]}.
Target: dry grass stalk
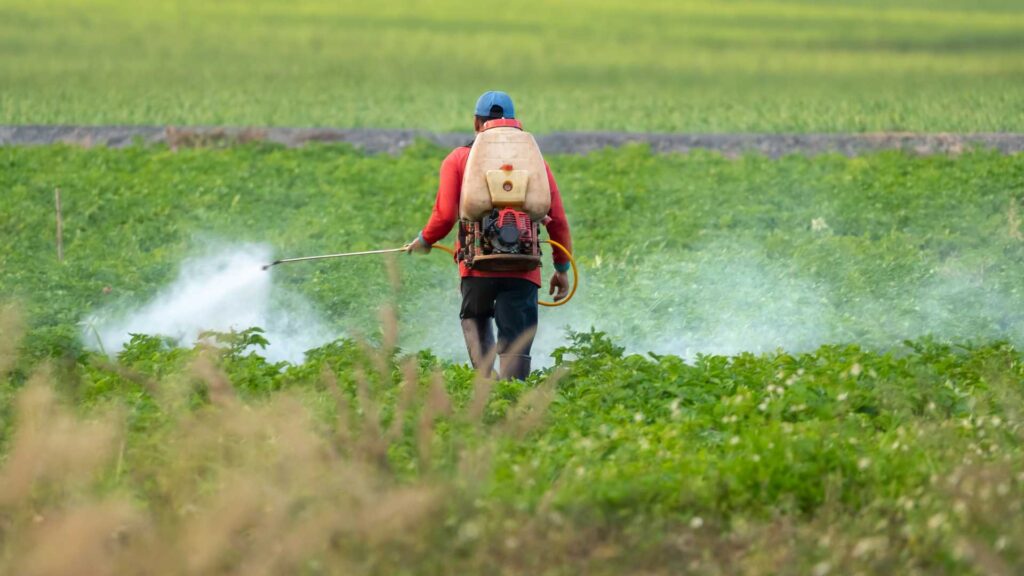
{"points": [[394, 276], [437, 404], [483, 385], [222, 393], [407, 393], [1014, 220], [343, 428], [12, 327], [151, 385], [60, 224], [373, 444], [528, 414], [51, 447]]}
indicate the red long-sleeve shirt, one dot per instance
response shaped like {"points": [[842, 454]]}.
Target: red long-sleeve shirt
{"points": [[446, 214]]}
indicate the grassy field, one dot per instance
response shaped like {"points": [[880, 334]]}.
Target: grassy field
{"points": [[760, 254], [850, 451], [699, 66]]}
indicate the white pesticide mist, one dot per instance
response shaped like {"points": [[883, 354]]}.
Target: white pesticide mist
{"points": [[222, 290], [730, 297], [719, 300], [725, 297]]}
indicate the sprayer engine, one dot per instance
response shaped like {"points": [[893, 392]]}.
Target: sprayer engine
{"points": [[508, 232], [504, 240]]}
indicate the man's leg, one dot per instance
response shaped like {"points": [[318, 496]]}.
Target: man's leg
{"points": [[515, 312], [476, 313]]}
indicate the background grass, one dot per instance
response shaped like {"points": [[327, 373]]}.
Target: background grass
{"points": [[693, 65]]}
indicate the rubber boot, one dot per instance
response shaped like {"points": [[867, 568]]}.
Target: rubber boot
{"points": [[515, 366], [479, 342]]}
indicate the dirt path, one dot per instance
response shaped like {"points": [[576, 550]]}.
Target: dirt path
{"points": [[393, 141]]}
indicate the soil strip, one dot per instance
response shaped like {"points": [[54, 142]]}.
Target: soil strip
{"points": [[394, 141]]}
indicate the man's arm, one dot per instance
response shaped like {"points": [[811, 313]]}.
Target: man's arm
{"points": [[558, 225], [558, 230], [446, 205]]}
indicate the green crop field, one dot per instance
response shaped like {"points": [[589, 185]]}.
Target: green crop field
{"points": [[667, 66], [868, 250], [850, 450]]}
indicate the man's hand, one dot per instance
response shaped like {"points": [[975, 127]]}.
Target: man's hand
{"points": [[559, 282], [417, 246]]}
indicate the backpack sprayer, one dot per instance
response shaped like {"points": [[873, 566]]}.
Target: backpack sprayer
{"points": [[443, 248], [505, 196]]}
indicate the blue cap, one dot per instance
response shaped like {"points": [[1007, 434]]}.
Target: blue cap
{"points": [[495, 98]]}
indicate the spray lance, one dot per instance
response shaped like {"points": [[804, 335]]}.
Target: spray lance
{"points": [[326, 256], [572, 262]]}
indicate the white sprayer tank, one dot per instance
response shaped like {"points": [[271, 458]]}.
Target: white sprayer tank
{"points": [[505, 169]]}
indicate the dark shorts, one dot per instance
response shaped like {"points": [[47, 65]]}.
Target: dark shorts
{"points": [[512, 302]]}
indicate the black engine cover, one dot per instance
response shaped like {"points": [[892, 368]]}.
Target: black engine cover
{"points": [[503, 237], [509, 235]]}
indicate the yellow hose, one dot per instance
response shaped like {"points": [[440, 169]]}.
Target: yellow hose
{"points": [[575, 274], [572, 262]]}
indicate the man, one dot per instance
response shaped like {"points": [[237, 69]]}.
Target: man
{"points": [[509, 297]]}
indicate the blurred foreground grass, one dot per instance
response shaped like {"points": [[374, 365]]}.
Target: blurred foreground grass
{"points": [[364, 460], [694, 65]]}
